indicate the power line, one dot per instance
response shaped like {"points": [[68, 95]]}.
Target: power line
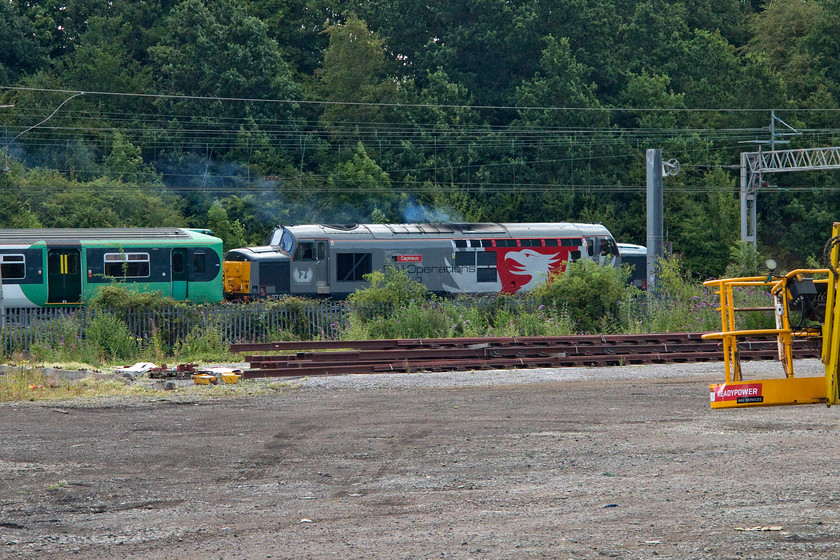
{"points": [[422, 105]]}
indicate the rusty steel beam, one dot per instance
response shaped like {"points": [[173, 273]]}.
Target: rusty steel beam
{"points": [[460, 342], [340, 363], [486, 351]]}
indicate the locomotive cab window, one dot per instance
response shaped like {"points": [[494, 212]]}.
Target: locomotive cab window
{"points": [[305, 251], [127, 265], [608, 248], [287, 241], [199, 262], [12, 267]]}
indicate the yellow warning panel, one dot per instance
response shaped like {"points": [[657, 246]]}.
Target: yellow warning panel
{"points": [[768, 392]]}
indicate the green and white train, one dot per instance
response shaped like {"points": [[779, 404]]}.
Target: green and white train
{"points": [[66, 267]]}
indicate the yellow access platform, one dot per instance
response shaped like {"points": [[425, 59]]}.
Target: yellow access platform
{"points": [[809, 293]]}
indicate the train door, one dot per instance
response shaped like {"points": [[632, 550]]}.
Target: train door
{"points": [[180, 288], [322, 265], [311, 267], [64, 276]]}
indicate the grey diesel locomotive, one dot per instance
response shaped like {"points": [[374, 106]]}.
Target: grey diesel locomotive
{"points": [[447, 258]]}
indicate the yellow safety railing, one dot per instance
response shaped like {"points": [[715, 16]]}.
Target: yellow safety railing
{"points": [[736, 391]]}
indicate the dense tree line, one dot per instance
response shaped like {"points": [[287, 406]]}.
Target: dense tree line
{"points": [[238, 115]]}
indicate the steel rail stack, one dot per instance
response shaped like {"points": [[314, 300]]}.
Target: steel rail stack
{"points": [[329, 357]]}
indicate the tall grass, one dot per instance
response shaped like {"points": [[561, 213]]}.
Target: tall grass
{"points": [[681, 304], [23, 384]]}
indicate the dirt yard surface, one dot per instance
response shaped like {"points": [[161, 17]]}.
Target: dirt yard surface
{"points": [[588, 463]]}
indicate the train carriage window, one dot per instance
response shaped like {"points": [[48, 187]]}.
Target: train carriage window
{"points": [[127, 265], [13, 267], [352, 267], [73, 262], [199, 262], [551, 243], [506, 243], [460, 243], [573, 242], [531, 242], [465, 258], [486, 258], [485, 275], [486, 242], [322, 250], [574, 256], [590, 246], [54, 263]]}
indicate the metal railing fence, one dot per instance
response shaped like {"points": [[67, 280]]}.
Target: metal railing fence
{"points": [[21, 328]]}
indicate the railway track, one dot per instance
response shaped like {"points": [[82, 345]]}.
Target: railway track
{"points": [[327, 357]]}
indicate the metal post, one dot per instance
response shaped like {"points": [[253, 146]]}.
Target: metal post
{"points": [[748, 200], [655, 228]]}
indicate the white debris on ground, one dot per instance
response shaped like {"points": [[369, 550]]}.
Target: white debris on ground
{"points": [[136, 369]]}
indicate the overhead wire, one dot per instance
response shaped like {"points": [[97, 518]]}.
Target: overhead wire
{"points": [[157, 131]]}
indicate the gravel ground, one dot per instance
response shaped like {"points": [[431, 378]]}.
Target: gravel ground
{"points": [[626, 462]]}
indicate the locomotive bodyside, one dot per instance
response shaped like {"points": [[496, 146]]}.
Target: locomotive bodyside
{"points": [[321, 260], [66, 267]]}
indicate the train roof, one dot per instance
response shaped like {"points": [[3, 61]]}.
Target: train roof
{"points": [[78, 235], [629, 249], [446, 230], [268, 253]]}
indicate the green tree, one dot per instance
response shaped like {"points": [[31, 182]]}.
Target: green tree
{"points": [[230, 232], [359, 189], [795, 38], [702, 226], [21, 53], [354, 77], [215, 49], [744, 260], [125, 161], [102, 60]]}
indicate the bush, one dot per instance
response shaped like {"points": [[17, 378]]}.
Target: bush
{"points": [[203, 344], [391, 286], [121, 297], [108, 337], [589, 295]]}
